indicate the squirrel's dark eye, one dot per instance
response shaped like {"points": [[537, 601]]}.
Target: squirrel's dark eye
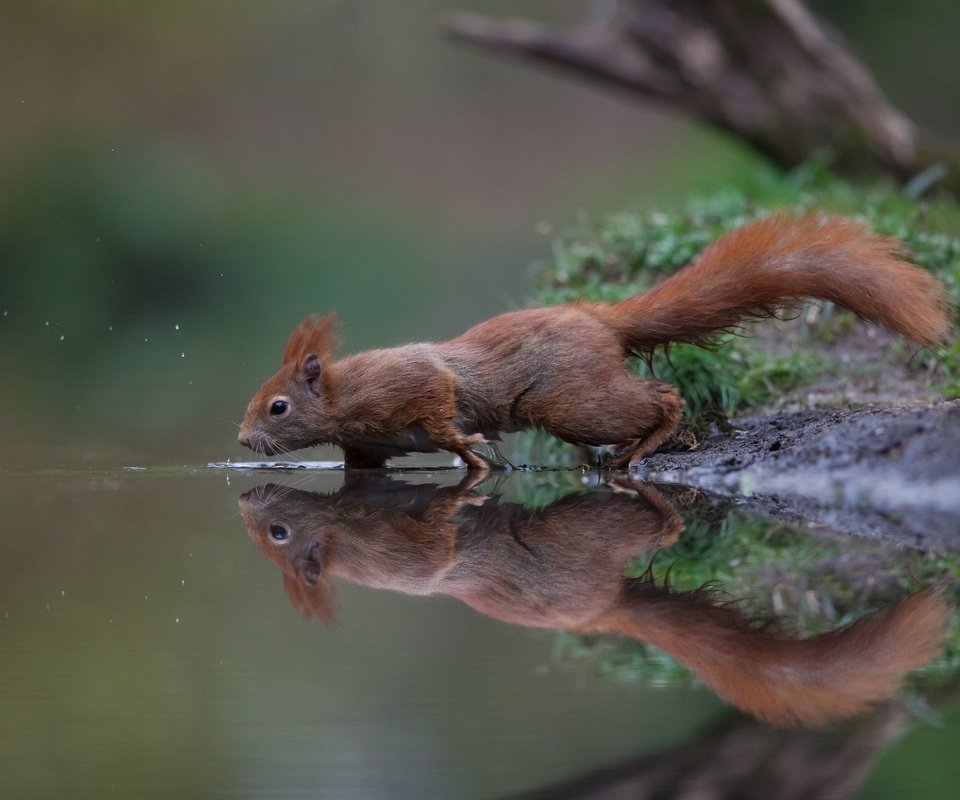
{"points": [[279, 408], [279, 533]]}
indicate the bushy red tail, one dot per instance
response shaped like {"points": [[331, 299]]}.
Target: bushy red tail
{"points": [[776, 677], [765, 266]]}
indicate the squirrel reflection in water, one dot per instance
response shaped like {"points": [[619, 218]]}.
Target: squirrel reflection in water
{"points": [[562, 567]]}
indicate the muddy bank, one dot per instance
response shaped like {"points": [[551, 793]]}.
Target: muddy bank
{"points": [[886, 472]]}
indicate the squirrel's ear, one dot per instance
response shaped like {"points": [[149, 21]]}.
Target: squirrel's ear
{"points": [[310, 370], [311, 367], [315, 335]]}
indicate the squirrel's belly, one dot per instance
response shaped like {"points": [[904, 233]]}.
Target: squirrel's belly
{"points": [[408, 440]]}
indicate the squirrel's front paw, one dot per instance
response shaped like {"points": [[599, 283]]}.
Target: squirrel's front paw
{"points": [[490, 453]]}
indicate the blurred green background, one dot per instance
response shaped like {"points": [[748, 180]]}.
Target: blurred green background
{"points": [[180, 183]]}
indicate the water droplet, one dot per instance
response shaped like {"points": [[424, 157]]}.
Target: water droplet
{"points": [[176, 327], [183, 355], [63, 593], [178, 620], [109, 327], [46, 324], [183, 582], [61, 337], [98, 239]]}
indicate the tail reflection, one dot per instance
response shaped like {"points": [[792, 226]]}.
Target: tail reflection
{"points": [[563, 566]]}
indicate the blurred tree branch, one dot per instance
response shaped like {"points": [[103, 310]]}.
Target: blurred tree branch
{"points": [[767, 71], [743, 759]]}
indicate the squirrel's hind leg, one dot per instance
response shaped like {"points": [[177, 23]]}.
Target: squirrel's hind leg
{"points": [[631, 417], [631, 452]]}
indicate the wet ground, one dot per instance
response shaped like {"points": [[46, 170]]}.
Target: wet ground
{"points": [[889, 472]]}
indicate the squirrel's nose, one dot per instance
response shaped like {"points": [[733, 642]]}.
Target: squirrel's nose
{"points": [[244, 438]]}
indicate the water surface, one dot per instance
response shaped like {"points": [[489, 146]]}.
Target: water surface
{"points": [[151, 648]]}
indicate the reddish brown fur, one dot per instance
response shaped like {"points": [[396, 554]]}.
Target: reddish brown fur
{"points": [[564, 368], [780, 679], [775, 262], [562, 567]]}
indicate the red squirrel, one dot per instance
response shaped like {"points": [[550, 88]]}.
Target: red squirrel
{"points": [[565, 368], [562, 567]]}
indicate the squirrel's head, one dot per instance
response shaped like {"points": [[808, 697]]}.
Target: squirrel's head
{"points": [[293, 529], [290, 410]]}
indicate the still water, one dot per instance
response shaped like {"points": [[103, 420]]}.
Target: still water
{"points": [[200, 632]]}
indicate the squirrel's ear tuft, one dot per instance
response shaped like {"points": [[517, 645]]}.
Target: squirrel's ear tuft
{"points": [[314, 599], [314, 335]]}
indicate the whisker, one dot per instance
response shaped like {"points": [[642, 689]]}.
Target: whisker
{"points": [[299, 457], [224, 419], [281, 491], [227, 518], [280, 451], [303, 481]]}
